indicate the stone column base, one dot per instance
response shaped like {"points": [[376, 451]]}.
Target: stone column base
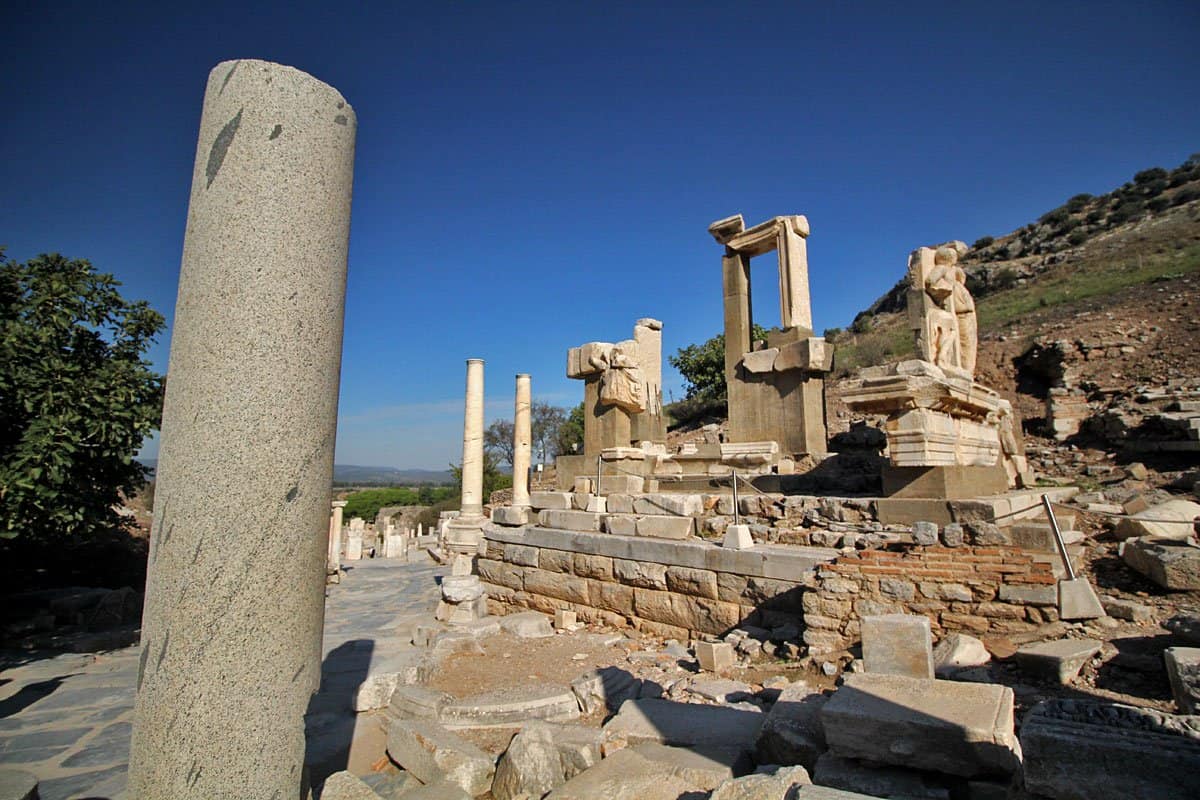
{"points": [[463, 534]]}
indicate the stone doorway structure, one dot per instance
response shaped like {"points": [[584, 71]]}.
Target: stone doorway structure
{"points": [[776, 388]]}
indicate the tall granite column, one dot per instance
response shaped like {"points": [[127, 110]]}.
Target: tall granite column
{"points": [[464, 532], [522, 442], [335, 535], [231, 631]]}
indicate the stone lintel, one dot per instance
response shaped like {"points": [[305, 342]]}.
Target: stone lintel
{"points": [[764, 237]]}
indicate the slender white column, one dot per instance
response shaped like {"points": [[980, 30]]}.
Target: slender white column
{"points": [[522, 442], [335, 535], [464, 532]]}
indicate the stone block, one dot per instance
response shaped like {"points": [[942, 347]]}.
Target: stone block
{"points": [[666, 527], [877, 781], [542, 757], [606, 687], [527, 625], [625, 775], [1170, 564], [598, 567], [556, 501], [1183, 671], [792, 733], [958, 651], [952, 534], [679, 505], [1154, 521], [758, 362], [622, 484], [344, 786], [565, 620], [697, 582], [715, 656], [432, 754], [511, 515], [500, 574], [521, 555], [557, 585], [898, 644], [1029, 595], [788, 782], [1058, 661], [570, 520], [620, 504], [511, 706], [925, 533], [596, 504], [621, 524], [416, 702], [703, 727], [1186, 627], [642, 574], [737, 537], [1104, 751], [461, 588], [959, 728], [1127, 609]]}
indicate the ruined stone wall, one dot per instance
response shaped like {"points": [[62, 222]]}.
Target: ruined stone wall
{"points": [[974, 590], [673, 600]]}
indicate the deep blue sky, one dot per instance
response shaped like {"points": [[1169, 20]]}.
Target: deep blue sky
{"points": [[531, 176]]}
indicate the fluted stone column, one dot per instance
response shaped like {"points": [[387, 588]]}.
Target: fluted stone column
{"points": [[522, 442], [335, 535], [464, 532], [231, 631]]}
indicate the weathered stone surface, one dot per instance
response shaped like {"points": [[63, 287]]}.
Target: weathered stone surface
{"points": [[432, 753], [952, 535], [511, 706], [898, 644], [925, 533], [557, 585], [1058, 661], [416, 702], [1101, 751], [530, 766], [1170, 564], [346, 786], [558, 501], [959, 728], [521, 555], [658, 526], [376, 690], [640, 573], [598, 567], [698, 582], [1151, 522], [570, 520], [511, 515], [239, 547], [527, 625], [461, 588], [1127, 609], [737, 537], [713, 728], [792, 732], [876, 781], [625, 775], [957, 651], [606, 687], [681, 505], [721, 690], [715, 656], [16, 784], [435, 791], [788, 783], [1183, 671], [701, 769]]}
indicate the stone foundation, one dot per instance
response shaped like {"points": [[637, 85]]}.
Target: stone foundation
{"points": [[679, 589], [975, 590]]}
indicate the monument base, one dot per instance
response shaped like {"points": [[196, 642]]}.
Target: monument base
{"points": [[463, 534], [945, 483]]}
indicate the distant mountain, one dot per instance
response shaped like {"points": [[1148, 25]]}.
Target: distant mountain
{"points": [[388, 476], [368, 476]]}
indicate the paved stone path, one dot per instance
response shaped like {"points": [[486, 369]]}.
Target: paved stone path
{"points": [[67, 718]]}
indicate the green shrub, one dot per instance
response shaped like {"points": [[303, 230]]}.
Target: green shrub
{"points": [[1149, 176], [1004, 279], [1159, 203], [1077, 237], [1079, 202], [982, 242], [1054, 218], [1185, 196], [862, 323]]}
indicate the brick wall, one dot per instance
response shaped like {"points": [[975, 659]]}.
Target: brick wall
{"points": [[975, 590]]}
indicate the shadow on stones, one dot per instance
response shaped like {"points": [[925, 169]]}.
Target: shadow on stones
{"points": [[1138, 667], [330, 719], [844, 474], [28, 695]]}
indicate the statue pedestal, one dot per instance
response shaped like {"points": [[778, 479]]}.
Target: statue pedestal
{"points": [[935, 420]]}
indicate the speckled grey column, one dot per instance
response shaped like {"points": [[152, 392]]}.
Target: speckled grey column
{"points": [[464, 532], [231, 634], [522, 442]]}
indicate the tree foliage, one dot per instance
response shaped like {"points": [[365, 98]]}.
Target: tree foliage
{"points": [[570, 434], [498, 440], [545, 421], [493, 478], [76, 398], [703, 365], [366, 504]]}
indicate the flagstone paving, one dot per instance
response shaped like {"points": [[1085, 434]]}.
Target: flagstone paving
{"points": [[67, 717]]}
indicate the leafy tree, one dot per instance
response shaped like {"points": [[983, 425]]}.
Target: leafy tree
{"points": [[703, 365], [569, 438], [76, 398], [545, 420], [498, 440], [493, 478]]}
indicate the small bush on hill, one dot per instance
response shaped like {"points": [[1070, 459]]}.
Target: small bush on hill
{"points": [[982, 242], [1079, 202], [1149, 176]]}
